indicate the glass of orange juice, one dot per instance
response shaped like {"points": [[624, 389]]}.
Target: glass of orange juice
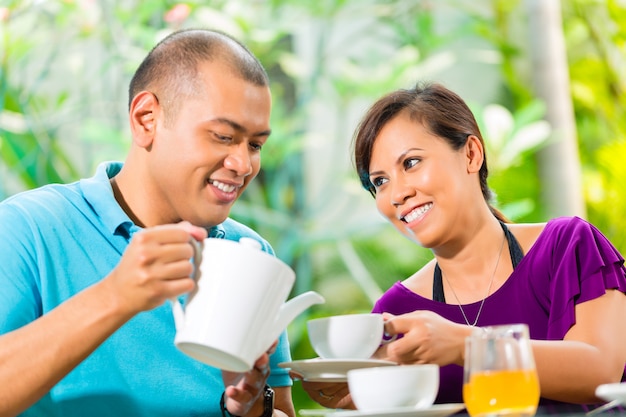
{"points": [[500, 378]]}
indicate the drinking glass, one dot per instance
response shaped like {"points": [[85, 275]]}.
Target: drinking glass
{"points": [[500, 378]]}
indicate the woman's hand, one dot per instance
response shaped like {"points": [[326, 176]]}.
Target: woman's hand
{"points": [[327, 394], [426, 338]]}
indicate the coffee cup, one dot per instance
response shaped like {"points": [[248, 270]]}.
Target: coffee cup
{"points": [[238, 307], [348, 336], [392, 387]]}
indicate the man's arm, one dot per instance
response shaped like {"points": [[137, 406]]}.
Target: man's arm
{"points": [[33, 358]]}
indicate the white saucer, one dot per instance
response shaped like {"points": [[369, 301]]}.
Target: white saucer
{"points": [[435, 410], [331, 370], [612, 392]]}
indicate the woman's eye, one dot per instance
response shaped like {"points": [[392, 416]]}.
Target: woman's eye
{"points": [[410, 162], [378, 181]]}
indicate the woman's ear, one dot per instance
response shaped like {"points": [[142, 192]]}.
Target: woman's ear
{"points": [[475, 154], [144, 109]]}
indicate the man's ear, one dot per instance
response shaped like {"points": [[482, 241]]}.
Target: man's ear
{"points": [[144, 110], [474, 153]]}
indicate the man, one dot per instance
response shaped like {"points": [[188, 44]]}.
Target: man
{"points": [[86, 268]]}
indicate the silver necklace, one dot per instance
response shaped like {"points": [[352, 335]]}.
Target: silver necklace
{"points": [[480, 309]]}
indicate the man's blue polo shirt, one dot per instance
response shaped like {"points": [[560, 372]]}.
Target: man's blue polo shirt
{"points": [[59, 239]]}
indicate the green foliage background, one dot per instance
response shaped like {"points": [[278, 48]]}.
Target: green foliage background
{"points": [[65, 66]]}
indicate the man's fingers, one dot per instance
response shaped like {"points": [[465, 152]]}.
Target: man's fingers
{"points": [[198, 233]]}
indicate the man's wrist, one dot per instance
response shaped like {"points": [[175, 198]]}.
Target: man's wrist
{"points": [[268, 403]]}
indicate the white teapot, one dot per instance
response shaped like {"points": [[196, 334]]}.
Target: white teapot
{"points": [[238, 308]]}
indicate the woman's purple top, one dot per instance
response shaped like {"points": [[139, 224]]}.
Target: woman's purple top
{"points": [[570, 263]]}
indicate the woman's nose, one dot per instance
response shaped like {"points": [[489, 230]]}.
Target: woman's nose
{"points": [[401, 192]]}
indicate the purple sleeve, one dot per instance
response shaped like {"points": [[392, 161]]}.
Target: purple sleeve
{"points": [[584, 265], [390, 294]]}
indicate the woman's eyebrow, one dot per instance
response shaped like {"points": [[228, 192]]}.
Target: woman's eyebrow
{"points": [[398, 160]]}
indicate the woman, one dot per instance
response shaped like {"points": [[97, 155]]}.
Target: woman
{"points": [[420, 153]]}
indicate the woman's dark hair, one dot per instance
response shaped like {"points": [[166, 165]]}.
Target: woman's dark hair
{"points": [[440, 110]]}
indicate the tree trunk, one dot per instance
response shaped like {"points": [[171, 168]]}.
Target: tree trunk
{"points": [[559, 162]]}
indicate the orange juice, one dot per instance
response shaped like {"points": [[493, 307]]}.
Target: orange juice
{"points": [[508, 392]]}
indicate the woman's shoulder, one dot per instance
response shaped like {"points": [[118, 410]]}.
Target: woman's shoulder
{"points": [[413, 293], [421, 282], [526, 233]]}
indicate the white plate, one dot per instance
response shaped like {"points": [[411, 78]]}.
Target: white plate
{"points": [[330, 370], [612, 392], [436, 410]]}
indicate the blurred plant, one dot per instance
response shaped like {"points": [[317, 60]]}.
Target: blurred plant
{"points": [[511, 141], [54, 121], [596, 34], [511, 137], [605, 191], [29, 149]]}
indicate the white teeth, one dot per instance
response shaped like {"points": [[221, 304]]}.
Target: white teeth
{"points": [[224, 187], [417, 213]]}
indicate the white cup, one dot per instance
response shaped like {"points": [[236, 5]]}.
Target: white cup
{"points": [[238, 308], [348, 336], [391, 387]]}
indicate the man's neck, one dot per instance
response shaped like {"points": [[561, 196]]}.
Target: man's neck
{"points": [[119, 197]]}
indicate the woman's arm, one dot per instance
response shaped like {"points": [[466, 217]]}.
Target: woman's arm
{"points": [[592, 353]]}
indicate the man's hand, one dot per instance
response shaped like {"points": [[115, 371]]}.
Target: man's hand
{"points": [[155, 267], [244, 391]]}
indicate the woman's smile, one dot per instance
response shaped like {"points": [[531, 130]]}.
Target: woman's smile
{"points": [[416, 213]]}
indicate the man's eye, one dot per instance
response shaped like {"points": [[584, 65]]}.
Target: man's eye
{"points": [[222, 137], [256, 146]]}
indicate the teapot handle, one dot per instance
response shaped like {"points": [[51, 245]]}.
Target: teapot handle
{"points": [[177, 308]]}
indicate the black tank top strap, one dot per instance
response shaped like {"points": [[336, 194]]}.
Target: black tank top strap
{"points": [[438, 294], [515, 251]]}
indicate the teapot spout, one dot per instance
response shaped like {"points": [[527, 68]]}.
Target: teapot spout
{"points": [[293, 308]]}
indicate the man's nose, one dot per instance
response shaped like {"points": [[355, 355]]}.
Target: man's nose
{"points": [[238, 160]]}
